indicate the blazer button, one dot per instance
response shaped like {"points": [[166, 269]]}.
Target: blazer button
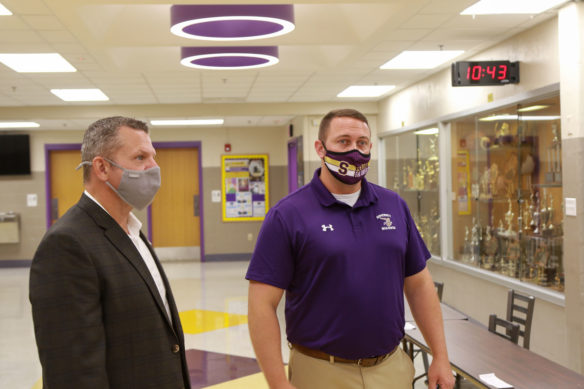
{"points": [[175, 348]]}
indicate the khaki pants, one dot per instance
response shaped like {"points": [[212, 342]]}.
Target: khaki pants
{"points": [[396, 372]]}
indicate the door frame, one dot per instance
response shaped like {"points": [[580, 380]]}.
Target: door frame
{"points": [[48, 148], [295, 164], [186, 145]]}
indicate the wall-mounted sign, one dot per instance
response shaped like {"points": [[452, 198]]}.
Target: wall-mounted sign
{"points": [[245, 187], [480, 73]]}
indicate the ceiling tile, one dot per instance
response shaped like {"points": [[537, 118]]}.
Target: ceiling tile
{"points": [[43, 22]]}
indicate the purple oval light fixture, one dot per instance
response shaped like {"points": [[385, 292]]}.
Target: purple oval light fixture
{"points": [[231, 22], [223, 57]]}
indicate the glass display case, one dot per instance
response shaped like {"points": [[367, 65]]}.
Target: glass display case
{"points": [[507, 212], [412, 170]]}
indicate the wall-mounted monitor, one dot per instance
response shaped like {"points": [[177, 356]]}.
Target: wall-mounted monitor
{"points": [[14, 154]]}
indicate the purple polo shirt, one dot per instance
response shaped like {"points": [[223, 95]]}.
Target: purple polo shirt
{"points": [[342, 267]]}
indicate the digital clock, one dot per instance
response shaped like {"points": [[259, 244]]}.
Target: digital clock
{"points": [[479, 73]]}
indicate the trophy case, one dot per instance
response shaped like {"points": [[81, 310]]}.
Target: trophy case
{"points": [[412, 170], [507, 181]]}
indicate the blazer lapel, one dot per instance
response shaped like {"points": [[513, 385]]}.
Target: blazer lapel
{"points": [[118, 237]]}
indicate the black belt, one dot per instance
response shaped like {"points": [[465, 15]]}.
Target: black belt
{"points": [[364, 362]]}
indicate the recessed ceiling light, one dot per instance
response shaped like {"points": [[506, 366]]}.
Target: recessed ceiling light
{"points": [[537, 118], [231, 22], [37, 63], [518, 117], [493, 118], [4, 10], [491, 7], [427, 131], [532, 108], [19, 125], [229, 57], [366, 90], [80, 94], [420, 59], [187, 122]]}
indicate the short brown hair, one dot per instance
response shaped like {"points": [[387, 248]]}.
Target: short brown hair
{"points": [[101, 139], [338, 113]]}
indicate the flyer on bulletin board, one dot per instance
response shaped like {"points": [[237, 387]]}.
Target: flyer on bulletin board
{"points": [[245, 187], [463, 183]]}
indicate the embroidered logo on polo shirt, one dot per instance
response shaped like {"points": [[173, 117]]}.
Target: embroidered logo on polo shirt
{"points": [[386, 219], [327, 228]]}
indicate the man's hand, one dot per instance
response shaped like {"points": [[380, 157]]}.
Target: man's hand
{"points": [[440, 374]]}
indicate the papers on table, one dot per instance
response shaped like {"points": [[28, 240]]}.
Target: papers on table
{"points": [[493, 380]]}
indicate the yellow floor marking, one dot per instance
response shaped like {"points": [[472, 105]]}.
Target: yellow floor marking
{"points": [[197, 321]]}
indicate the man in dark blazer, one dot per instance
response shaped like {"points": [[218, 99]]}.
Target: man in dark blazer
{"points": [[104, 314]]}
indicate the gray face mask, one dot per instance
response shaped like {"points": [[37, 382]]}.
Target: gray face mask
{"points": [[137, 187]]}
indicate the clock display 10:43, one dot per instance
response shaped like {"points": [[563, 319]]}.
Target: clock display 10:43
{"points": [[494, 72]]}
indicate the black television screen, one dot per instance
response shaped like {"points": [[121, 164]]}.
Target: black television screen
{"points": [[14, 154]]}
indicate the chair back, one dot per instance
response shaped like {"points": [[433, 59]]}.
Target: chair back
{"points": [[520, 311], [439, 289], [510, 330]]}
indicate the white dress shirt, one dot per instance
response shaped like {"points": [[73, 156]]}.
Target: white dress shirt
{"points": [[134, 226]]}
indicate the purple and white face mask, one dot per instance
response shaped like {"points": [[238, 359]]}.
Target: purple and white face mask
{"points": [[349, 167]]}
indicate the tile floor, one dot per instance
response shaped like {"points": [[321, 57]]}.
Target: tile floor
{"points": [[212, 299]]}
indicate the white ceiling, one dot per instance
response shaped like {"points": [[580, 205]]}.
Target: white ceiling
{"points": [[125, 48]]}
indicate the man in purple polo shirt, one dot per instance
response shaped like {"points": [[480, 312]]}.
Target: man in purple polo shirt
{"points": [[345, 250]]}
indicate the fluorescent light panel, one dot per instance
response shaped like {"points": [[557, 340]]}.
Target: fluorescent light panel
{"points": [[80, 94], [19, 125], [366, 90], [420, 59], [187, 122], [37, 63], [4, 10], [493, 7], [427, 131]]}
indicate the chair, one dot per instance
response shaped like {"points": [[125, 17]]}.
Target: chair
{"points": [[520, 311], [511, 330], [439, 289]]}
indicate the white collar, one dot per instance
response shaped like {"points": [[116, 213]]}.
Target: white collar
{"points": [[134, 224]]}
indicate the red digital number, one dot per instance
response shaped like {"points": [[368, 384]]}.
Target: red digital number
{"points": [[468, 73], [492, 71], [502, 72], [476, 72]]}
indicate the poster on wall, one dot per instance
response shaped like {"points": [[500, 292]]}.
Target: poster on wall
{"points": [[245, 187], [463, 182]]}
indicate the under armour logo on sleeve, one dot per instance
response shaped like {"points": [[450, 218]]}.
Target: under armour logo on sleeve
{"points": [[327, 228]]}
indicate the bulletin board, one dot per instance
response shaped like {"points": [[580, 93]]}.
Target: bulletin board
{"points": [[245, 187]]}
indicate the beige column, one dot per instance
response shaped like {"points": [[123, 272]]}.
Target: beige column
{"points": [[571, 56]]}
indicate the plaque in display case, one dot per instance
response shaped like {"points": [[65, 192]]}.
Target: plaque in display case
{"points": [[413, 169], [515, 226]]}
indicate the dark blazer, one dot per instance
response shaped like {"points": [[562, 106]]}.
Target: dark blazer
{"points": [[98, 317]]}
